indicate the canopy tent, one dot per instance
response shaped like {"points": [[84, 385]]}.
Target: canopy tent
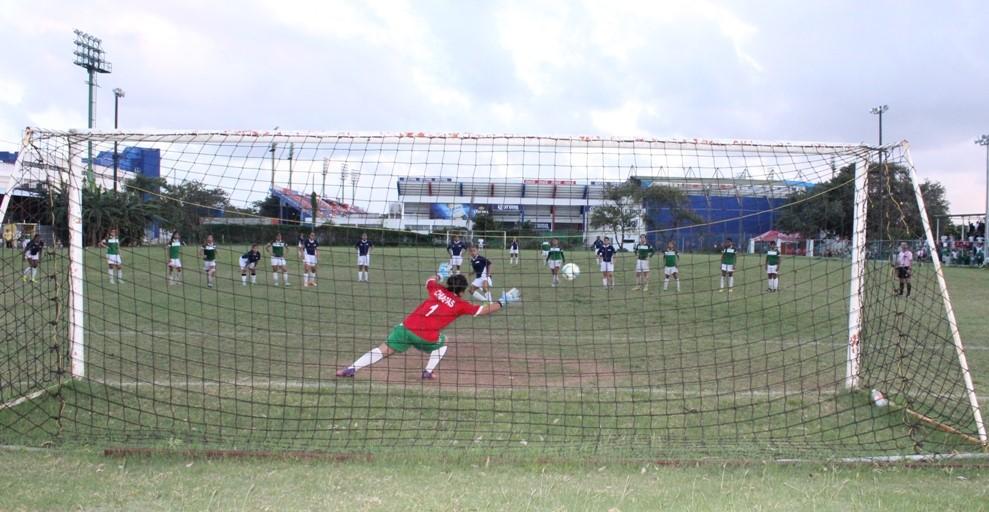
{"points": [[776, 236]]}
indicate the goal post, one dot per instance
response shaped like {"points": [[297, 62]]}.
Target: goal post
{"points": [[238, 333]]}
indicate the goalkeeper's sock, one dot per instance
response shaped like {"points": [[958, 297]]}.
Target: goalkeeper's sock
{"points": [[435, 357], [478, 295], [368, 359]]}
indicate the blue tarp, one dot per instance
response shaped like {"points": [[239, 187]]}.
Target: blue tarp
{"points": [[739, 218]]}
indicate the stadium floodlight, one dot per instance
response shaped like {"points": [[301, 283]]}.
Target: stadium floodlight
{"points": [[117, 94], [984, 141], [90, 56], [879, 111], [355, 176]]}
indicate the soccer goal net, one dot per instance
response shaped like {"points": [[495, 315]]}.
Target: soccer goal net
{"points": [[249, 290]]}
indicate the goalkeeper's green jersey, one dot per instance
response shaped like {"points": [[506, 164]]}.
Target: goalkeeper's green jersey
{"points": [[209, 252], [644, 251], [545, 246], [772, 257], [175, 250], [670, 258], [728, 256], [112, 246], [556, 253], [278, 249]]}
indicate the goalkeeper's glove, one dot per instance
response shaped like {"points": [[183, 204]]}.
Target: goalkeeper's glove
{"points": [[443, 271], [513, 295]]}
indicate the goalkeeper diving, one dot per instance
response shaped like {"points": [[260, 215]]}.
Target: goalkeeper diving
{"points": [[421, 328]]}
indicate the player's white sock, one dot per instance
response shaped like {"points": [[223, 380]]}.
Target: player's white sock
{"points": [[776, 283], [722, 282], [243, 278], [731, 282], [368, 359], [111, 275], [254, 278], [666, 283], [678, 284], [27, 270], [34, 273], [285, 277], [435, 357], [120, 274], [478, 295], [275, 277], [488, 297]]}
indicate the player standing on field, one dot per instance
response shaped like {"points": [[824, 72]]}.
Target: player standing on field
{"points": [[310, 258], [643, 251], [174, 251], [32, 254], [277, 251], [249, 262], [421, 328], [208, 252], [513, 251], [113, 262], [597, 247], [904, 266], [545, 248], [555, 259], [482, 276], [671, 262], [773, 267], [728, 265], [363, 257], [606, 256], [456, 252]]}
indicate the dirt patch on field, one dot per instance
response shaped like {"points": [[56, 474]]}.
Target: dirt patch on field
{"points": [[483, 364]]}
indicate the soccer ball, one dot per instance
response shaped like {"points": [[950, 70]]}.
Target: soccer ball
{"points": [[570, 271]]}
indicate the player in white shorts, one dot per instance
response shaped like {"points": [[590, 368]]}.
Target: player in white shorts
{"points": [[363, 247], [643, 251], [456, 251], [728, 255], [174, 253], [278, 266], [113, 260], [480, 287], [773, 268], [310, 258], [32, 254], [208, 252], [671, 260], [555, 260], [606, 254], [513, 251]]}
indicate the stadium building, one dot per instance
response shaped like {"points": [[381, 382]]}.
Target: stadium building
{"points": [[736, 208]]}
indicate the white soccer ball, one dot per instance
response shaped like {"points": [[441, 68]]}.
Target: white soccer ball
{"points": [[570, 271]]}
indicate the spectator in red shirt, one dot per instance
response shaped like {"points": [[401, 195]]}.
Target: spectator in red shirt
{"points": [[421, 328]]}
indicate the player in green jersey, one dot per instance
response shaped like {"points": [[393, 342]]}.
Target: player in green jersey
{"points": [[671, 260], [773, 267], [208, 252], [112, 245], [174, 253], [277, 251], [728, 254], [643, 251], [555, 259]]}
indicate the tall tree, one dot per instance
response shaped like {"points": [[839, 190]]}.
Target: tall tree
{"points": [[184, 205], [622, 211]]}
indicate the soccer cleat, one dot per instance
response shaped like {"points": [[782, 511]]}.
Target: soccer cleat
{"points": [[645, 288], [346, 372], [637, 287], [427, 375], [24, 278], [33, 280]]}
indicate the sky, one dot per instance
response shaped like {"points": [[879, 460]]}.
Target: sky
{"points": [[758, 70]]}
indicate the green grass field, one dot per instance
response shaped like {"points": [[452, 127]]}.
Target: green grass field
{"points": [[574, 373]]}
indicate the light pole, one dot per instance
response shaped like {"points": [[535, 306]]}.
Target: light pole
{"points": [[117, 94], [879, 111], [91, 57], [326, 167], [343, 183], [984, 141], [355, 175]]}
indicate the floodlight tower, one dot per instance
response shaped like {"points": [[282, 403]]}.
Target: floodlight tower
{"points": [[117, 94], [326, 167], [984, 141], [91, 57], [355, 176], [879, 111], [343, 183]]}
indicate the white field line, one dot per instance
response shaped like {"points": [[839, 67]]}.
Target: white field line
{"points": [[18, 401], [706, 339]]}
